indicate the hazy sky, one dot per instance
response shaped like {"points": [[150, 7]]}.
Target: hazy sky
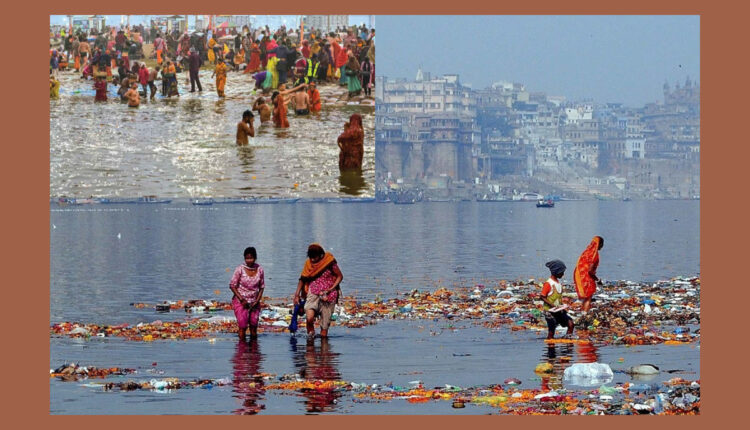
{"points": [[605, 58]]}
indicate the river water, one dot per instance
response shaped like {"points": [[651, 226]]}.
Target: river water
{"points": [[185, 146], [105, 257]]}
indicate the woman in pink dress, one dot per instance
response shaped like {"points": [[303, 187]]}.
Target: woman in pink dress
{"points": [[247, 284]]}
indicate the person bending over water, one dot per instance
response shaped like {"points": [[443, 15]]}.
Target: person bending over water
{"points": [[319, 283], [585, 274]]}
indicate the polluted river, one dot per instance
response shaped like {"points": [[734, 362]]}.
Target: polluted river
{"points": [[140, 321]]}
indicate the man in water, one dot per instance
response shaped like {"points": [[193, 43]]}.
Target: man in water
{"points": [[245, 128], [195, 66], [263, 109], [301, 101], [133, 97]]}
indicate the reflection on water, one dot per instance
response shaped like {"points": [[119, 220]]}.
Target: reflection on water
{"points": [[352, 182], [317, 363], [185, 146], [247, 382], [562, 355]]}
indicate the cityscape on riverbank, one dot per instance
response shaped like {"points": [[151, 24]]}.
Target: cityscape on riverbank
{"points": [[437, 138]]}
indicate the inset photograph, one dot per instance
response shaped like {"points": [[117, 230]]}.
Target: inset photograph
{"points": [[212, 106]]}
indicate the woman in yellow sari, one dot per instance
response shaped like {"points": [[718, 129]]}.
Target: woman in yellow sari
{"points": [[221, 76]]}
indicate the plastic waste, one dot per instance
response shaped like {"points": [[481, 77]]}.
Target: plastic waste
{"points": [[643, 369], [588, 374], [544, 368]]}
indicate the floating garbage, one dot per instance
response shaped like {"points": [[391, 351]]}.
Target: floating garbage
{"points": [[588, 374], [619, 316]]}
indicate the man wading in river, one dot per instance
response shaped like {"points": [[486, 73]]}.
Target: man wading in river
{"points": [[245, 128]]}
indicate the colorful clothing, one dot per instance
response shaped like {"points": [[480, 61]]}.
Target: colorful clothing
{"points": [[254, 64], [249, 281], [586, 266], [319, 276], [351, 144], [101, 90], [552, 290], [221, 78], [54, 89], [314, 96], [279, 112]]}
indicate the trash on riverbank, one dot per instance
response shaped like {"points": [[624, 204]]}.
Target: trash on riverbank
{"points": [[619, 315], [673, 397]]}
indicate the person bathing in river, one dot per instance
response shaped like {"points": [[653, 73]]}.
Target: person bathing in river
{"points": [[279, 102], [584, 277], [263, 110], [245, 128], [314, 97], [247, 285], [554, 310], [301, 101], [351, 144], [319, 286], [132, 95]]}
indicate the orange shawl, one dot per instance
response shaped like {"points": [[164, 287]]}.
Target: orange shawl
{"points": [[587, 264], [312, 271], [315, 104]]}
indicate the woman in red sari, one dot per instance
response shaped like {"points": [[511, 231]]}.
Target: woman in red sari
{"points": [[585, 274], [351, 144], [254, 64]]}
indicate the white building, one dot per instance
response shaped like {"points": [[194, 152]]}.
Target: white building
{"points": [[443, 94]]}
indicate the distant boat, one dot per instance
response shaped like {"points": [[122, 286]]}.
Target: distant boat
{"points": [[203, 202], [626, 199], [236, 201], [358, 200], [153, 199], [545, 204], [266, 201]]}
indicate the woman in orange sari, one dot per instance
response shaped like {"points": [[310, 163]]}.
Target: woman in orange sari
{"points": [[314, 95], [279, 110], [351, 144], [584, 277]]}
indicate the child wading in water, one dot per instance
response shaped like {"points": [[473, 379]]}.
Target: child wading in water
{"points": [[554, 310], [247, 284]]}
